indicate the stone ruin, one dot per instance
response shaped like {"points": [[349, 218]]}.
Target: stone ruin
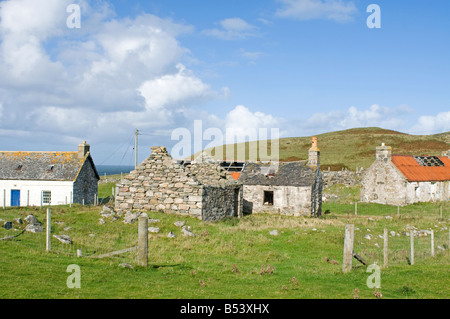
{"points": [[201, 189]]}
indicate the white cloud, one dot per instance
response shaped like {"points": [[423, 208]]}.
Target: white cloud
{"points": [[174, 90], [95, 83], [250, 55], [429, 124], [336, 10], [233, 29], [245, 124], [375, 116]]}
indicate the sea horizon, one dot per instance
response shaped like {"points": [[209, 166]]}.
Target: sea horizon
{"points": [[113, 169]]}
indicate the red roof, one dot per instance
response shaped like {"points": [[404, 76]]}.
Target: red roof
{"points": [[414, 172]]}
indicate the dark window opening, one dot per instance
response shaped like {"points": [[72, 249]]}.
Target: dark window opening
{"points": [[51, 167], [429, 161], [268, 198], [19, 167]]}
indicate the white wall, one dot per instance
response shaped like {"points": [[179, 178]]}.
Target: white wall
{"points": [[286, 199], [30, 192]]}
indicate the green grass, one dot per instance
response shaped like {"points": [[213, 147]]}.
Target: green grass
{"points": [[353, 148], [225, 260]]}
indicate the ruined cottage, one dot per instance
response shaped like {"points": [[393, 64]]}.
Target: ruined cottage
{"points": [[201, 188], [292, 188], [48, 178], [406, 179]]}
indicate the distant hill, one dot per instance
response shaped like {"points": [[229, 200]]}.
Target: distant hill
{"points": [[353, 148]]}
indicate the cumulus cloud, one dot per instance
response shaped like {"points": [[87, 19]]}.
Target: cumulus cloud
{"points": [[336, 10], [429, 124], [232, 29], [242, 124], [174, 90], [110, 76]]}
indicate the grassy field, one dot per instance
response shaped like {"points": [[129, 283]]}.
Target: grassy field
{"points": [[351, 149], [231, 259]]}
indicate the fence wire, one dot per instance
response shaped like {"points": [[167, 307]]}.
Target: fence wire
{"points": [[84, 236]]}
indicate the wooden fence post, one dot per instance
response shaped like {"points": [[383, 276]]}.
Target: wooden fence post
{"points": [[440, 211], [70, 200], [432, 243], [385, 248], [348, 248], [356, 208], [398, 210], [143, 240], [48, 246], [4, 199], [411, 236]]}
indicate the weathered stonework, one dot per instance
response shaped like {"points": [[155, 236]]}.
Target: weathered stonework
{"points": [[85, 186], [384, 183], [201, 189], [293, 188], [345, 177]]}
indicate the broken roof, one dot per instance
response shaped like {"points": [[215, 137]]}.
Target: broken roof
{"points": [[423, 169], [49, 166], [286, 174]]}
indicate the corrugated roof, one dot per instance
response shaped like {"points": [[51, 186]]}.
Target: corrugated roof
{"points": [[50, 166], [414, 172]]}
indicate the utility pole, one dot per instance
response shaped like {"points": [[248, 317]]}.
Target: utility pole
{"points": [[136, 148]]}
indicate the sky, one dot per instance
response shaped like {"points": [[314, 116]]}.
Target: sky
{"points": [[302, 67]]}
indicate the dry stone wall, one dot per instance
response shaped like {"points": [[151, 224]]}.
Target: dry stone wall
{"points": [[161, 184]]}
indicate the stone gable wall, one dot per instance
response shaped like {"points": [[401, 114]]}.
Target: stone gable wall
{"points": [[86, 185], [161, 184]]}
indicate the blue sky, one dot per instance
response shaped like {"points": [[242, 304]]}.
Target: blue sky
{"points": [[303, 66]]}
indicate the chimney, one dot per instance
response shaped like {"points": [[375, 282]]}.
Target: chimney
{"points": [[383, 153], [314, 153], [159, 150], [83, 149]]}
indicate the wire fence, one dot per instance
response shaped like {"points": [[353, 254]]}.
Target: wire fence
{"points": [[419, 210], [84, 234], [370, 244]]}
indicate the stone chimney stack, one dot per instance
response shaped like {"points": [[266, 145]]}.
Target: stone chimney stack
{"points": [[160, 150], [383, 153], [83, 149], [314, 153]]}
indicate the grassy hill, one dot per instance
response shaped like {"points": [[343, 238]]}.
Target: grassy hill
{"points": [[353, 148]]}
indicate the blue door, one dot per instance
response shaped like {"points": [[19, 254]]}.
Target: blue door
{"points": [[15, 198]]}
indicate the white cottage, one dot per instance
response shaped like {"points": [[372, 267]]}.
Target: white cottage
{"points": [[406, 179], [48, 178]]}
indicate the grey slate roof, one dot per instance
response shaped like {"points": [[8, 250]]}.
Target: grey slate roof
{"points": [[288, 174], [48, 166]]}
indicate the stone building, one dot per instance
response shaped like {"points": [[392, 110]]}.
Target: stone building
{"points": [[406, 179], [201, 188], [48, 178], [292, 188]]}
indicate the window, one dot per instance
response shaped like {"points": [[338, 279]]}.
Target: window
{"points": [[429, 161], [268, 198], [46, 197]]}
